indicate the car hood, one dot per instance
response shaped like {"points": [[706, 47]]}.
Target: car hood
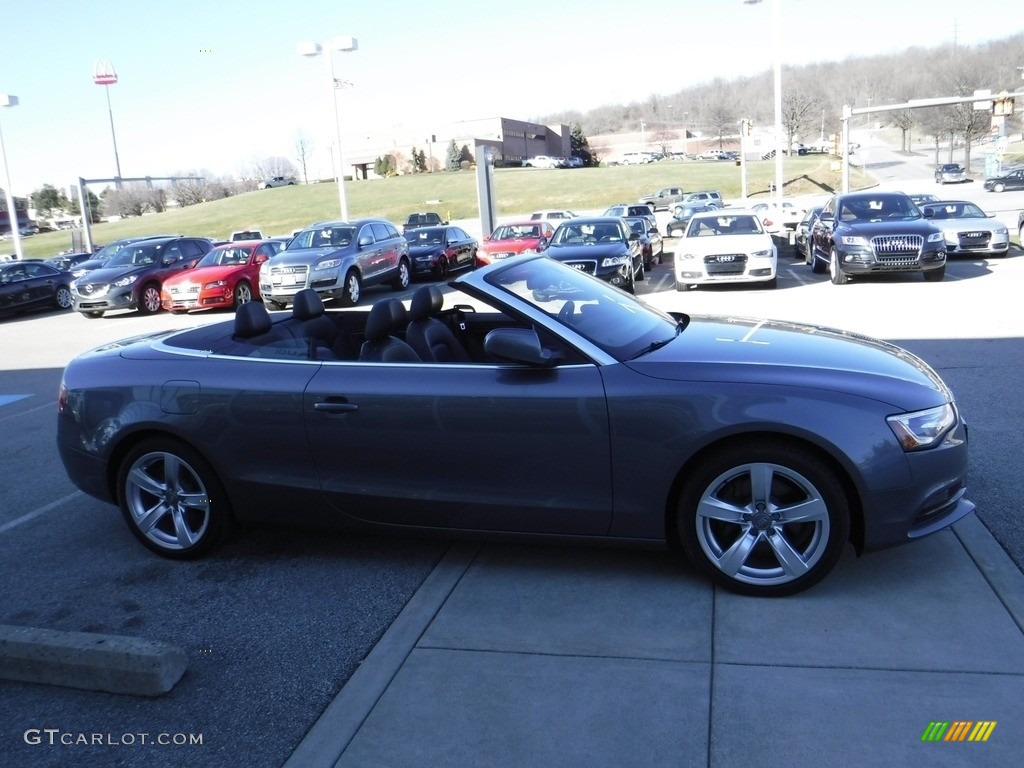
{"points": [[510, 246], [888, 227], [727, 244], [219, 272], [766, 352], [110, 274], [974, 222], [305, 256], [592, 251]]}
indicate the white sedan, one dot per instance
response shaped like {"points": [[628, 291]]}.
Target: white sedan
{"points": [[728, 246], [967, 228], [779, 217]]}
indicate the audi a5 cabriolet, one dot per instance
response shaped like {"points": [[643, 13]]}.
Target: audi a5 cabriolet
{"points": [[542, 402]]}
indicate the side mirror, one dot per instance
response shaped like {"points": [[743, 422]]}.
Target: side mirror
{"points": [[928, 213], [520, 345], [260, 258], [365, 240], [634, 236]]}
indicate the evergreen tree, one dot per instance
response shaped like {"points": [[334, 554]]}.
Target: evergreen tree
{"points": [[452, 163], [579, 146]]}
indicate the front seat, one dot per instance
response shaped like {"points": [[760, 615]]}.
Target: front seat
{"points": [[309, 321], [380, 346], [433, 341]]}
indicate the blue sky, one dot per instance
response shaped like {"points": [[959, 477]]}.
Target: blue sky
{"points": [[215, 84]]}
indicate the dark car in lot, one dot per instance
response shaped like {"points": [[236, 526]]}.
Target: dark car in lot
{"points": [[65, 262], [803, 231], [134, 276], [603, 246], [652, 246], [681, 215], [436, 251], [1008, 181], [104, 253], [864, 233], [759, 450], [32, 284], [426, 219], [337, 259]]}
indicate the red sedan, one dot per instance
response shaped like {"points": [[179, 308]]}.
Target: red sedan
{"points": [[225, 277], [513, 239]]}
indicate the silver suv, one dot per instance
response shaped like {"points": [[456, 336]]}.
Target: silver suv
{"points": [[642, 210], [708, 197], [337, 259]]}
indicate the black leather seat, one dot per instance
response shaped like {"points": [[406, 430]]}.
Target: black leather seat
{"points": [[310, 322], [252, 320], [380, 346], [430, 337]]}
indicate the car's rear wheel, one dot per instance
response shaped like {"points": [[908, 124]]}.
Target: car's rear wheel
{"points": [[62, 299], [763, 518], [998, 187], [353, 289], [401, 282], [835, 271], [172, 499], [935, 275], [243, 294], [149, 299]]}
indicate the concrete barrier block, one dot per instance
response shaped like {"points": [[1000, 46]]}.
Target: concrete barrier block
{"points": [[94, 662]]}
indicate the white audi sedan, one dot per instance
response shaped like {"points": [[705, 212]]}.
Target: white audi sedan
{"points": [[726, 246], [967, 229]]}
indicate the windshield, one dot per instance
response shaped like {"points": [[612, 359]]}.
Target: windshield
{"points": [[225, 257], [515, 232], [425, 236], [136, 255], [587, 233], [333, 236], [614, 320], [956, 211], [711, 226], [877, 208]]}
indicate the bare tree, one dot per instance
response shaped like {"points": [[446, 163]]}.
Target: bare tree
{"points": [[303, 151], [129, 200], [663, 140], [797, 110]]}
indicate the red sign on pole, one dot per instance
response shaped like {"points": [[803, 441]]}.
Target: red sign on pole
{"points": [[103, 73]]}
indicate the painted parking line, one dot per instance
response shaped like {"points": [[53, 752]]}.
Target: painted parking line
{"points": [[7, 399], [38, 511]]}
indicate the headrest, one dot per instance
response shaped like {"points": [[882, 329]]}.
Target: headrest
{"points": [[307, 305], [251, 319], [426, 302], [385, 315]]}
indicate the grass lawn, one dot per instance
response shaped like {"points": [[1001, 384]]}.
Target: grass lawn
{"points": [[519, 190]]}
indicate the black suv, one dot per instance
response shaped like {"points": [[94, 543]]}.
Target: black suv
{"points": [[132, 277], [863, 233]]}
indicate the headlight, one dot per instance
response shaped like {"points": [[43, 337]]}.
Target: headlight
{"points": [[614, 261], [761, 254], [936, 237], [125, 281], [922, 429], [215, 284], [329, 264], [1001, 232], [857, 240]]}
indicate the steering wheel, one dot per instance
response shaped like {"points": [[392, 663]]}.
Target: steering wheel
{"points": [[566, 313]]}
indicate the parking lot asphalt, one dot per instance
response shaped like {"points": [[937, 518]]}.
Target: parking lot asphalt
{"points": [[518, 655]]}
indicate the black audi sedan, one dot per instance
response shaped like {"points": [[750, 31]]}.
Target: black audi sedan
{"points": [[759, 450], [603, 246], [865, 233], [436, 251]]}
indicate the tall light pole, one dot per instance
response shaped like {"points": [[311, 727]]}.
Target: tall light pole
{"points": [[777, 78], [315, 49], [103, 74], [6, 100]]}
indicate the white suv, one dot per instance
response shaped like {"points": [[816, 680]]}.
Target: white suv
{"points": [[543, 161]]}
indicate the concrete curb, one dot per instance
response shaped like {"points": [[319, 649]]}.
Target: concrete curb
{"points": [[94, 662], [995, 564], [327, 740]]}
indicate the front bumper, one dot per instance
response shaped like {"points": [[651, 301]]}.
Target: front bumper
{"points": [[619, 275], [104, 299], [864, 261]]}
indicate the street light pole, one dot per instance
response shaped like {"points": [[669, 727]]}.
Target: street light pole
{"points": [[6, 100], [103, 74], [315, 49], [777, 84]]}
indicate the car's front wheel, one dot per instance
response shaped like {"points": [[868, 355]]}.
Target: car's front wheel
{"points": [[835, 271], [353, 289], [243, 294], [172, 499], [999, 187], [62, 299], [763, 518], [149, 299]]}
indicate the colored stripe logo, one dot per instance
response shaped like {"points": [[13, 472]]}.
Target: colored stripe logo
{"points": [[959, 730]]}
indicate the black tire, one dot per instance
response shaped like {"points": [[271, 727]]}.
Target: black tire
{"points": [[770, 285], [165, 474], [401, 282], [684, 286], [179, 311], [442, 269], [1000, 187], [149, 299], [731, 517], [353, 289], [62, 298], [835, 270], [243, 294], [817, 267], [935, 275], [641, 272]]}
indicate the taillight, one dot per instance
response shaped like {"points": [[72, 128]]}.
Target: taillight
{"points": [[62, 398]]}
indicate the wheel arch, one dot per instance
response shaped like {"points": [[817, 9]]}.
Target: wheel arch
{"points": [[783, 439]]}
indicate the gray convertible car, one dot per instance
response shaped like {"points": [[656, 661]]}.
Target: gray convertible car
{"points": [[546, 402]]}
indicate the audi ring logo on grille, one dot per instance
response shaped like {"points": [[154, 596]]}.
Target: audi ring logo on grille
{"points": [[727, 257], [975, 234]]}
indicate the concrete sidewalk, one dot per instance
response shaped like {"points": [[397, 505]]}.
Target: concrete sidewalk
{"points": [[515, 655]]}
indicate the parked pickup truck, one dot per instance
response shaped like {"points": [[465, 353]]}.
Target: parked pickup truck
{"points": [[664, 198]]}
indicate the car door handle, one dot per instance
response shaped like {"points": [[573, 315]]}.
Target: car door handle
{"points": [[338, 405]]}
